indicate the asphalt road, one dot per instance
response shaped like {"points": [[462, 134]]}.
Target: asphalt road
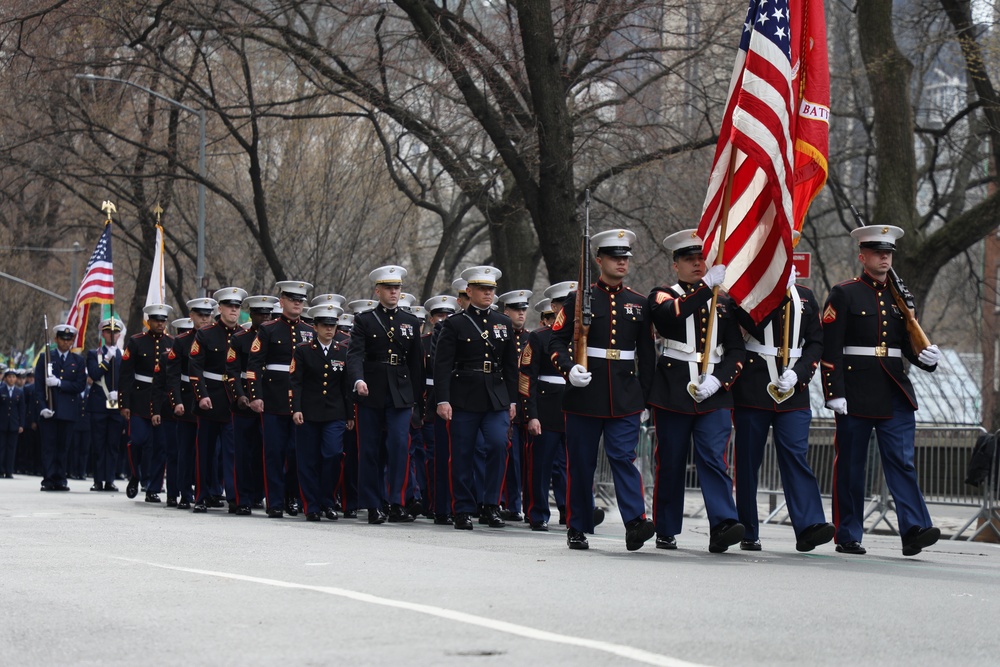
{"points": [[89, 579]]}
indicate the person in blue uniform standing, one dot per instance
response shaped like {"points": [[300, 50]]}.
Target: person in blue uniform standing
{"points": [[769, 396], [681, 315], [270, 395], [434, 431], [106, 423], [385, 367], [322, 409], [180, 402], [609, 395], [475, 386], [63, 380], [515, 306], [347, 469], [13, 413], [865, 384]]}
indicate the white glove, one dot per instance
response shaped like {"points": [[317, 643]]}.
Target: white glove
{"points": [[792, 275], [715, 276], [787, 380], [52, 381], [644, 417], [708, 386], [579, 376], [838, 405], [46, 413], [112, 395], [930, 355]]}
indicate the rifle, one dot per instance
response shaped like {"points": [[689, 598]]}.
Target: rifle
{"points": [[584, 293], [903, 299], [48, 362]]}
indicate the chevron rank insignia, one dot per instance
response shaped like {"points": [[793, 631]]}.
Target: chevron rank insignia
{"points": [[829, 315]]}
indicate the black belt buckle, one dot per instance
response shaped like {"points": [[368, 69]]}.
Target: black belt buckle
{"points": [[487, 366], [393, 359]]}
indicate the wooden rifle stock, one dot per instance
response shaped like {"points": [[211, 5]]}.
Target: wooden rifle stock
{"points": [[582, 313], [918, 339]]}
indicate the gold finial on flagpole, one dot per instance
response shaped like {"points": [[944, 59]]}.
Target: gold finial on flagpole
{"points": [[157, 210], [109, 208]]}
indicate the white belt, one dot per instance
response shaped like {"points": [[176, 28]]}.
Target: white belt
{"points": [[880, 351], [430, 382], [213, 376], [278, 367], [772, 351], [601, 353], [185, 378], [143, 378], [695, 357], [553, 379]]}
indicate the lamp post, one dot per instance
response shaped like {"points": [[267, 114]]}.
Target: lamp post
{"points": [[200, 268]]}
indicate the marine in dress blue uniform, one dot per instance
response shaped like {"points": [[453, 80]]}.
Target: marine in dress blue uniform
{"points": [[141, 402], [210, 353], [515, 306], [271, 395], [418, 495], [347, 470], [62, 385], [475, 386], [180, 403], [13, 416], [106, 423], [322, 407], [434, 430], [865, 384], [770, 396], [608, 396], [681, 316], [385, 368]]}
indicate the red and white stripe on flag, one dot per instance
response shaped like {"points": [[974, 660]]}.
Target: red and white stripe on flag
{"points": [[97, 286], [755, 136]]}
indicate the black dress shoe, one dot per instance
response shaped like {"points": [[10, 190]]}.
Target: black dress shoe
{"points": [[200, 507], [132, 490], [275, 513], [463, 521], [918, 539], [397, 514], [815, 535], [443, 520], [540, 526], [184, 505], [243, 510], [511, 515], [376, 515], [725, 535], [637, 531], [330, 514], [292, 507], [257, 504], [152, 498], [171, 502], [312, 516], [8, 476], [750, 545], [598, 516], [562, 514], [415, 508], [667, 542], [851, 548], [575, 539], [46, 487], [97, 487], [492, 515], [61, 487], [215, 502], [120, 477], [350, 514], [231, 506], [109, 486]]}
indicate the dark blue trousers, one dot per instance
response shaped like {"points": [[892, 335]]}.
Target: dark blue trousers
{"points": [[417, 487], [559, 472], [171, 448], [212, 436], [442, 475], [187, 437], [8, 450], [146, 444], [371, 480], [279, 447], [79, 449], [319, 447], [54, 436], [247, 442], [347, 472], [674, 432], [464, 429], [621, 438], [895, 446], [791, 442], [512, 483], [539, 453]]}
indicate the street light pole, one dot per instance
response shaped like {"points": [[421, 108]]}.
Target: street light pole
{"points": [[200, 266]]}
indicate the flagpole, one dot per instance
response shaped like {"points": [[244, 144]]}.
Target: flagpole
{"points": [[724, 219]]}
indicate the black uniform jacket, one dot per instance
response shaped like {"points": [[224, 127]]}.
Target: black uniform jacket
{"points": [[520, 340], [179, 391], [66, 397], [108, 370], [672, 308], [751, 390], [427, 343], [861, 313], [620, 323], [542, 400], [271, 359], [475, 362], [320, 390], [386, 353], [210, 354], [141, 389], [236, 368]]}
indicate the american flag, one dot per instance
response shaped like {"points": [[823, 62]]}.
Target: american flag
{"points": [[755, 137], [98, 285]]}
